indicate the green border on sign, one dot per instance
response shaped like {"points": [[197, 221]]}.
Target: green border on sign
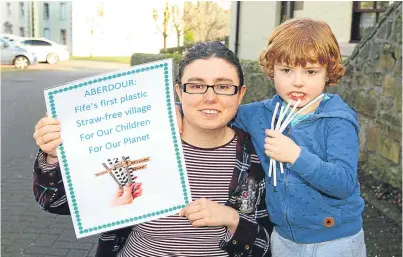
{"points": [[63, 162]]}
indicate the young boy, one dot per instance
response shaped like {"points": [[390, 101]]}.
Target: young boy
{"points": [[316, 206]]}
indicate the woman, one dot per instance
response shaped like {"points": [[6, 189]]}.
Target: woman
{"points": [[228, 216]]}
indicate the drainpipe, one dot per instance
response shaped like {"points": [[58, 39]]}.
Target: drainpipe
{"points": [[32, 32], [292, 9], [238, 16]]}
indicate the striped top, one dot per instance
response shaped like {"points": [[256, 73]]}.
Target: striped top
{"points": [[209, 172]]}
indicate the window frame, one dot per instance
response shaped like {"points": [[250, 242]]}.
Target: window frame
{"points": [[8, 5], [46, 11], [355, 36], [22, 9], [63, 11], [63, 36]]}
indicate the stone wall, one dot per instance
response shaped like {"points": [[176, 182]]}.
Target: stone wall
{"points": [[372, 85]]}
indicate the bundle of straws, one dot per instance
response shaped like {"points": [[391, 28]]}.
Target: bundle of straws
{"points": [[281, 126]]}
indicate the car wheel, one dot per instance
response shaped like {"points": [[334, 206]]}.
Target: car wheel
{"points": [[21, 62], [52, 58]]}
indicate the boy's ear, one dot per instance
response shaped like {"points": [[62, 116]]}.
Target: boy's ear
{"points": [[178, 90]]}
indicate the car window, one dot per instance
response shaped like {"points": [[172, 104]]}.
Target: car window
{"points": [[40, 43], [26, 42]]}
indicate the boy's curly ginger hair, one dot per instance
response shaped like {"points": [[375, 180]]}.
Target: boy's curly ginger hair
{"points": [[299, 41]]}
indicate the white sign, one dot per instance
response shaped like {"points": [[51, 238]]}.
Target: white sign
{"points": [[120, 128]]}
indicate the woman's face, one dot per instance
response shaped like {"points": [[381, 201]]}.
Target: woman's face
{"points": [[210, 111]]}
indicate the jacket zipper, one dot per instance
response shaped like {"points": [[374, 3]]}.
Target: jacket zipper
{"points": [[286, 190]]}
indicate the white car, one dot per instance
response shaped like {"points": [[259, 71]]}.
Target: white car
{"points": [[45, 50]]}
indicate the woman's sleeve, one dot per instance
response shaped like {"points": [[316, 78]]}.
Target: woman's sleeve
{"points": [[48, 186], [252, 236]]}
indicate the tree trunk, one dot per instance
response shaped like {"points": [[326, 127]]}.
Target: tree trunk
{"points": [[165, 41], [178, 38]]}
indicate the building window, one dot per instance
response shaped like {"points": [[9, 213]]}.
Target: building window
{"points": [[63, 11], [63, 36], [46, 33], [286, 10], [46, 11], [8, 8], [8, 27], [22, 32], [365, 16], [22, 11]]}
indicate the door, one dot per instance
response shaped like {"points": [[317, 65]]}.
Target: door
{"points": [[38, 47]]}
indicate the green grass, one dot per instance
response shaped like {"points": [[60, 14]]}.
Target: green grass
{"points": [[119, 59]]}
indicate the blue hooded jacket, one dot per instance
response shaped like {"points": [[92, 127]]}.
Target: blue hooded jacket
{"points": [[317, 198]]}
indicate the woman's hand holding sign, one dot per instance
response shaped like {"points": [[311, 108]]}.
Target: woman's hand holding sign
{"points": [[47, 136]]}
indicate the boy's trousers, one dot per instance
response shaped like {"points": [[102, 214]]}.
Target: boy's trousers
{"points": [[352, 246]]}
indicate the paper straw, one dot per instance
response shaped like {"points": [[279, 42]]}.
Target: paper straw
{"points": [[274, 175], [300, 111], [280, 118], [282, 115], [290, 115], [272, 127], [282, 125], [283, 112], [274, 115], [270, 167]]}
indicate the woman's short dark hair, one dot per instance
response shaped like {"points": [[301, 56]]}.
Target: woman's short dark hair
{"points": [[206, 50]]}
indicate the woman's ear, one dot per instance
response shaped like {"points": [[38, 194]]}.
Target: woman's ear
{"points": [[242, 92], [178, 90]]}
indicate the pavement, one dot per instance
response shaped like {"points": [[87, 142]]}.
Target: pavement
{"points": [[28, 231]]}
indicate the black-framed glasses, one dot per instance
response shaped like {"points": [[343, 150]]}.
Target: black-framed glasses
{"points": [[219, 89]]}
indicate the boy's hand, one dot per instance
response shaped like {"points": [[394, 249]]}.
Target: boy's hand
{"points": [[280, 148]]}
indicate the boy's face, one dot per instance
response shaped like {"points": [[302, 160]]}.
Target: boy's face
{"points": [[297, 82]]}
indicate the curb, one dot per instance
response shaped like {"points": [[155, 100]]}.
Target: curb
{"points": [[388, 209]]}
